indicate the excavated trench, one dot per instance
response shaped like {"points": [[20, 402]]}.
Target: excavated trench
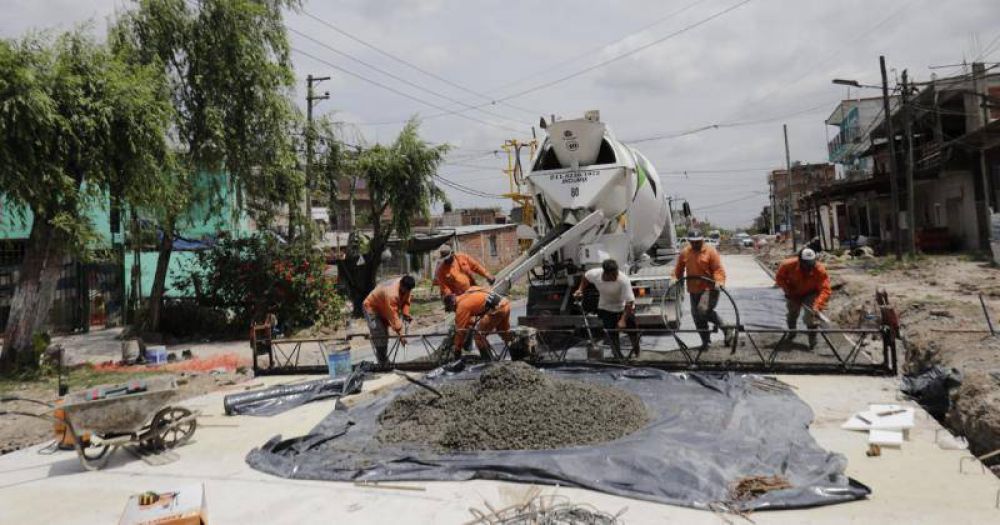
{"points": [[512, 406]]}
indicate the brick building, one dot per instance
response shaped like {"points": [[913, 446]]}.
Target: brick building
{"points": [[806, 178], [495, 245], [470, 217]]}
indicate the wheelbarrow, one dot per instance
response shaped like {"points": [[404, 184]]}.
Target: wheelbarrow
{"points": [[101, 419]]}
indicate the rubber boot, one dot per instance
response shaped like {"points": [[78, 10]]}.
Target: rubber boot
{"points": [[812, 340], [727, 335], [634, 354]]}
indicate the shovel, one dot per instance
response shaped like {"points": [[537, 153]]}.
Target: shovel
{"points": [[591, 345]]}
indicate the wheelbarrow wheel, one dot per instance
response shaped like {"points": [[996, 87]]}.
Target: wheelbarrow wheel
{"points": [[95, 452], [167, 433]]}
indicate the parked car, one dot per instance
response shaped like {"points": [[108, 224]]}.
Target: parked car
{"points": [[743, 239]]}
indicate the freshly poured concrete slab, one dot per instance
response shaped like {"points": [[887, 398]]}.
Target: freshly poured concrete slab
{"points": [[919, 483]]}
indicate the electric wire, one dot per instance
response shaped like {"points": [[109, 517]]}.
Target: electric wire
{"points": [[409, 64], [457, 113], [570, 76], [403, 80]]}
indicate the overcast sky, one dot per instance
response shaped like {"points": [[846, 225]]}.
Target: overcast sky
{"points": [[696, 66]]}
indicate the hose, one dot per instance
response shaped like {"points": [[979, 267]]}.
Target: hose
{"points": [[673, 291]]}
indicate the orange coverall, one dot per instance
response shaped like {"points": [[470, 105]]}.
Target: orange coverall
{"points": [[386, 302], [471, 305], [797, 284], [456, 275], [705, 262]]}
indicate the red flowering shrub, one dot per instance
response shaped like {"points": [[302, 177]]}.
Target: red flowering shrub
{"points": [[257, 276]]}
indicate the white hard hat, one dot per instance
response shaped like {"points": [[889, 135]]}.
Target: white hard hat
{"points": [[807, 255]]}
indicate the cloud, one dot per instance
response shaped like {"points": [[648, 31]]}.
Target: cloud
{"points": [[767, 59]]}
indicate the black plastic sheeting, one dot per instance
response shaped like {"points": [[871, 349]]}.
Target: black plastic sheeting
{"points": [[932, 388], [278, 399], [707, 432]]}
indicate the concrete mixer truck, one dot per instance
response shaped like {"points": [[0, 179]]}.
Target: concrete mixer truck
{"points": [[595, 198]]}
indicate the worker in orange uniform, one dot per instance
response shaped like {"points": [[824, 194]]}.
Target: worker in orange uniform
{"points": [[700, 260], [387, 306], [806, 284], [456, 272], [492, 311]]}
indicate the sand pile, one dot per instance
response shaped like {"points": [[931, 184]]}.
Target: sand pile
{"points": [[512, 406]]}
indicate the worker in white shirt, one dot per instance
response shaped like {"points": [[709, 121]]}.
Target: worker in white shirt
{"points": [[616, 306]]}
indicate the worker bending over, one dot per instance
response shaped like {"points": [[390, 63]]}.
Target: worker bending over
{"points": [[700, 260], [616, 305], [806, 284], [482, 310], [387, 306], [456, 272]]}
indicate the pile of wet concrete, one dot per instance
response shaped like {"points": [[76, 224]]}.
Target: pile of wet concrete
{"points": [[512, 406]]}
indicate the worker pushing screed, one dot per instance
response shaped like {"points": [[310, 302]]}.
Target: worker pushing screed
{"points": [[484, 311], [698, 260], [616, 305], [807, 286], [387, 306], [456, 272]]}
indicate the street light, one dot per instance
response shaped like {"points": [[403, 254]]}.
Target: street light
{"points": [[853, 84], [843, 82]]}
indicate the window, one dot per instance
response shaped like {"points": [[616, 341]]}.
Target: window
{"points": [[493, 246]]}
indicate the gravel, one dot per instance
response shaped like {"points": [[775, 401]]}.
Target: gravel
{"points": [[512, 406]]}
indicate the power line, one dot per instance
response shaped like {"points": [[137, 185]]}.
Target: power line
{"points": [[603, 63], [446, 111], [593, 51], [401, 79], [408, 63], [626, 54], [721, 125], [823, 61], [731, 201], [465, 189]]}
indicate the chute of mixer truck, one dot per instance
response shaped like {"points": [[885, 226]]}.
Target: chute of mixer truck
{"points": [[596, 198]]}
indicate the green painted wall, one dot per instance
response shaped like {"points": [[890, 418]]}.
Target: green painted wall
{"points": [[205, 218]]}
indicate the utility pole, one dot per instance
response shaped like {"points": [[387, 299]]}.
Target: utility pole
{"points": [[893, 169], [910, 199], [983, 118], [310, 140], [791, 202], [770, 185]]}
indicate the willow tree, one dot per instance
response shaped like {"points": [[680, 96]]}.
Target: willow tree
{"points": [[75, 123], [400, 181], [230, 77]]}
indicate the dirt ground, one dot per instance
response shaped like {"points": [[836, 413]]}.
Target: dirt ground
{"points": [[512, 406], [17, 432], [937, 298]]}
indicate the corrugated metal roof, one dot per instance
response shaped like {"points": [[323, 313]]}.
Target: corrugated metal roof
{"points": [[477, 228]]}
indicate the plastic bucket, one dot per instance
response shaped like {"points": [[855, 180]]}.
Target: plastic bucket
{"points": [[339, 363], [156, 355]]}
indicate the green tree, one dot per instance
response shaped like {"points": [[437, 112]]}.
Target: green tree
{"points": [[76, 124], [400, 181], [230, 77]]}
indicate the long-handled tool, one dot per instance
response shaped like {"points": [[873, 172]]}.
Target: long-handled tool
{"points": [[592, 347]]}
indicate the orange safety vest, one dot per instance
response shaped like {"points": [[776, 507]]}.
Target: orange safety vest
{"points": [[456, 276], [798, 284], [388, 303], [705, 262]]}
